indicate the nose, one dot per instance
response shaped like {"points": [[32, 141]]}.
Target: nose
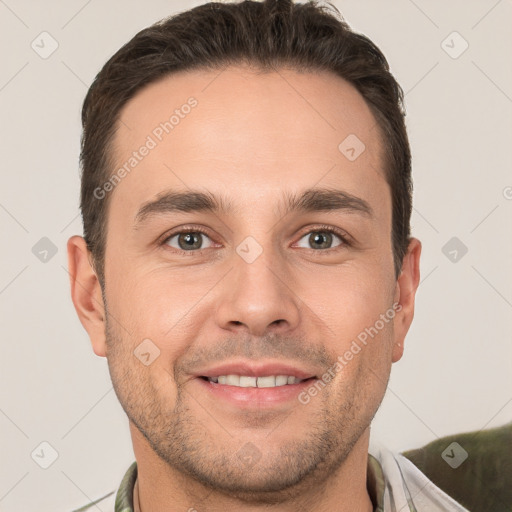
{"points": [[258, 297]]}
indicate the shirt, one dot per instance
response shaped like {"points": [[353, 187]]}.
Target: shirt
{"points": [[394, 484]]}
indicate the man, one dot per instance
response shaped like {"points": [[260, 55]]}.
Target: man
{"points": [[247, 266]]}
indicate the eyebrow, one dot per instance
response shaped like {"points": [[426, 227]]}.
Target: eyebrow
{"points": [[310, 200]]}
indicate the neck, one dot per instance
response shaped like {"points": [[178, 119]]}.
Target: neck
{"points": [[161, 488]]}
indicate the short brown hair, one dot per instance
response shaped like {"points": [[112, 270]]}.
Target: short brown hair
{"points": [[304, 36]]}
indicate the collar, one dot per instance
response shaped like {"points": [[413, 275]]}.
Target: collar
{"points": [[375, 484]]}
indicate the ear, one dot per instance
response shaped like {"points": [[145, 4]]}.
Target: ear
{"points": [[405, 293], [86, 293]]}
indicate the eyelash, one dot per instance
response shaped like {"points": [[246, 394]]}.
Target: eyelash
{"points": [[345, 239]]}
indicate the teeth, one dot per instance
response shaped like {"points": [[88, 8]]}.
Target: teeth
{"points": [[281, 380], [245, 381], [267, 382], [233, 380]]}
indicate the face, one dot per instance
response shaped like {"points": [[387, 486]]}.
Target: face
{"points": [[224, 269]]}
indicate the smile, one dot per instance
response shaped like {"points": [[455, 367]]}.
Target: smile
{"points": [[247, 381]]}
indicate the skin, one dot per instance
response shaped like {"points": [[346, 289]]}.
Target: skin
{"points": [[251, 137]]}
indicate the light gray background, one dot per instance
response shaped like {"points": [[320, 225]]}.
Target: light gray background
{"points": [[456, 372]]}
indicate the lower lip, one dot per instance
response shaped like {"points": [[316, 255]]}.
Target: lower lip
{"points": [[253, 397]]}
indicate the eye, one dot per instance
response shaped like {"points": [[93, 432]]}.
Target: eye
{"points": [[322, 238], [191, 239], [187, 240]]}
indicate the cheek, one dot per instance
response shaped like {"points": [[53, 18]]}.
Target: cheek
{"points": [[350, 301], [140, 366], [151, 301], [160, 306], [359, 335]]}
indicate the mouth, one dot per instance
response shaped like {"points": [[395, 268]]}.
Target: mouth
{"points": [[249, 393], [254, 386], [249, 381]]}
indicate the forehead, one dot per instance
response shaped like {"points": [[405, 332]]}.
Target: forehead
{"points": [[251, 133]]}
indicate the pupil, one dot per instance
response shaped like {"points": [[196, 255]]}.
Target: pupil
{"points": [[191, 240], [318, 237]]}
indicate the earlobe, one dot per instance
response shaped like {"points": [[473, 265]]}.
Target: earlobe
{"points": [[86, 293], [398, 352], [405, 293]]}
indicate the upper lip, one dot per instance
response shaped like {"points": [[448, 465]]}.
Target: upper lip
{"points": [[253, 369]]}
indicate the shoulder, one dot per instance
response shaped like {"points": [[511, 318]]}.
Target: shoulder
{"points": [[475, 468], [405, 487]]}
